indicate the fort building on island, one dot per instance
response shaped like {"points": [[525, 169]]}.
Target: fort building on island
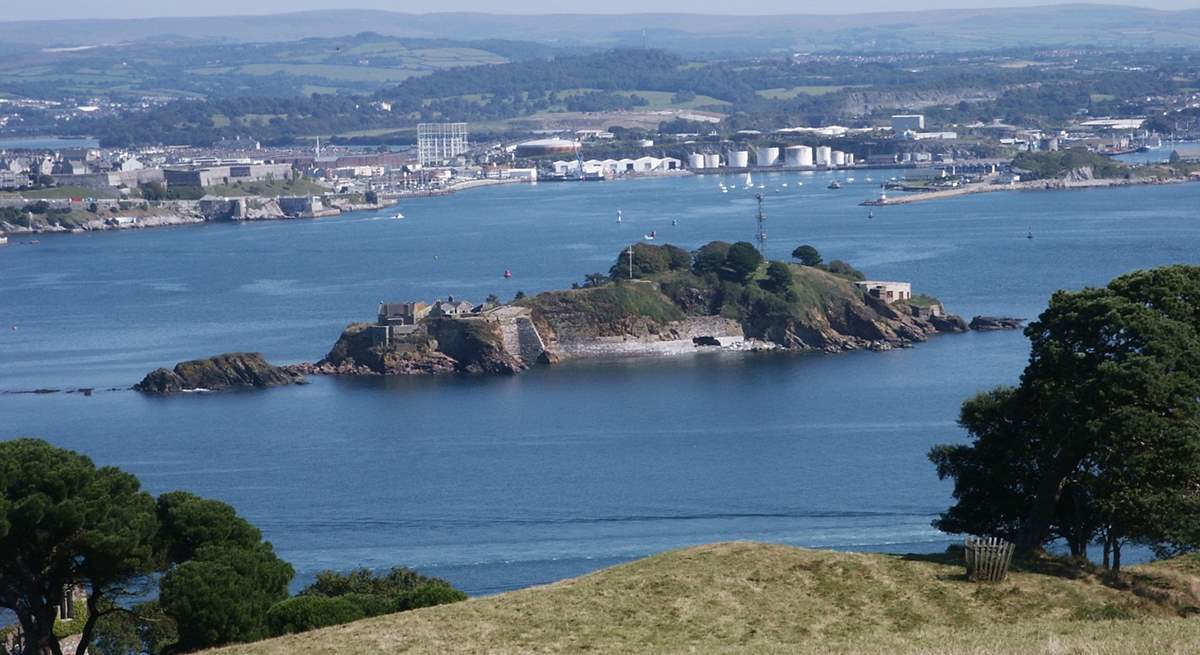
{"points": [[887, 291]]}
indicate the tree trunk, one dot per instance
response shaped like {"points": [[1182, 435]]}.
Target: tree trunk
{"points": [[1037, 523], [1116, 567], [1107, 552]]}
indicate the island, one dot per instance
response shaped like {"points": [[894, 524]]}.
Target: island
{"points": [[656, 300]]}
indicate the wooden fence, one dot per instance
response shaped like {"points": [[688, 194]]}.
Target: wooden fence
{"points": [[987, 559]]}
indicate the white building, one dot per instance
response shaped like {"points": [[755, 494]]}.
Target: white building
{"points": [[887, 291], [901, 122]]}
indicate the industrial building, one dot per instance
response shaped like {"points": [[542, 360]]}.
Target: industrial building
{"points": [[614, 167], [901, 122], [440, 143], [546, 147]]}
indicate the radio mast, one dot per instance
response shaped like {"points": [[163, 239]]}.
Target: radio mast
{"points": [[761, 236]]}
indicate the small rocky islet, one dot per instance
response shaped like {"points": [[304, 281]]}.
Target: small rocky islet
{"points": [[674, 303]]}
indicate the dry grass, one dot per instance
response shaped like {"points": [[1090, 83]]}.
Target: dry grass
{"points": [[749, 597]]}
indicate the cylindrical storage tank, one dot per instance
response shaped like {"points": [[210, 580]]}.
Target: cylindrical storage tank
{"points": [[824, 154], [792, 155], [739, 159], [766, 156], [712, 161], [849, 159], [695, 160], [805, 157], [839, 158]]}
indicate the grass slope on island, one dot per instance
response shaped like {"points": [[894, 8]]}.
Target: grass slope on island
{"points": [[753, 597]]}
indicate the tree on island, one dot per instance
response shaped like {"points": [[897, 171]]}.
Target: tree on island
{"points": [[592, 280], [743, 261], [779, 278], [807, 255], [1101, 439], [649, 260]]}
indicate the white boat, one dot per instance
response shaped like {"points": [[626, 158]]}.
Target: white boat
{"points": [[398, 216], [849, 179], [749, 181], [785, 185], [618, 215], [651, 236]]}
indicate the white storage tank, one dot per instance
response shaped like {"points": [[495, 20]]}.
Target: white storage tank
{"points": [[798, 156], [806, 156], [824, 155], [712, 161], [839, 158], [766, 156], [695, 160], [849, 159], [739, 159]]}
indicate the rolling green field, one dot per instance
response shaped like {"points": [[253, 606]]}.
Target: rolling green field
{"points": [[761, 598], [356, 64]]}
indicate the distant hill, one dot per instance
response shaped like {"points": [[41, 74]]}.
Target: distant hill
{"points": [[760, 598], [952, 30]]}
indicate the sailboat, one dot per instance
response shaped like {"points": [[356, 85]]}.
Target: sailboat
{"points": [[1029, 235], [618, 215], [749, 181], [870, 214]]}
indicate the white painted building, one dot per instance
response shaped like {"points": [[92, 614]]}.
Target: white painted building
{"points": [[887, 291]]}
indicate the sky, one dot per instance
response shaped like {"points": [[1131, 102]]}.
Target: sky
{"points": [[24, 10]]}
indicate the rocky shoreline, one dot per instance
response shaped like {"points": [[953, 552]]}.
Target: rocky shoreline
{"points": [[179, 213]]}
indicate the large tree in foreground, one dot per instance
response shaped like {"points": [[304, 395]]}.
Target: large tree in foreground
{"points": [[64, 522], [1101, 439]]}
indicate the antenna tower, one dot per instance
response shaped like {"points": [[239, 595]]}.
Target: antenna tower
{"points": [[761, 235]]}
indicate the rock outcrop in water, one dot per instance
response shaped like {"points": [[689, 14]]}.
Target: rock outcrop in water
{"points": [[220, 373], [988, 323]]}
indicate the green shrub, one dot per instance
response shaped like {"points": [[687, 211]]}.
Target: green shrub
{"points": [[303, 613], [839, 267], [428, 595]]}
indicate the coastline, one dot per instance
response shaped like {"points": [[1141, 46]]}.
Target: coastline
{"points": [[178, 216], [1032, 185]]}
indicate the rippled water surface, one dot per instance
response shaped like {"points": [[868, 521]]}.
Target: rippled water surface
{"points": [[499, 483]]}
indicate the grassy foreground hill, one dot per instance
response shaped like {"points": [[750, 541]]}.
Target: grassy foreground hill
{"points": [[751, 597]]}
